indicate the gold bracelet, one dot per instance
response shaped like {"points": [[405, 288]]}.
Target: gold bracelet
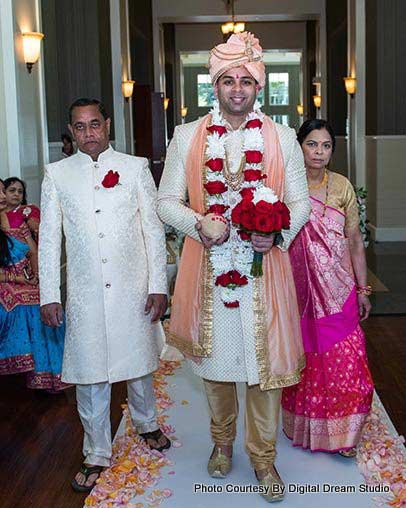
{"points": [[364, 290]]}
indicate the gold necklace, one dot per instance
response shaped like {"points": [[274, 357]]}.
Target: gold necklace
{"points": [[323, 183], [234, 180]]}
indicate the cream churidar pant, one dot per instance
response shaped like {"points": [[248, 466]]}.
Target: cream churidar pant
{"points": [[94, 410]]}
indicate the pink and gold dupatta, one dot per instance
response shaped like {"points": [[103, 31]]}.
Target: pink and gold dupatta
{"points": [[279, 346]]}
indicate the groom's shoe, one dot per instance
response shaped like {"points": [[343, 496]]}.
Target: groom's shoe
{"points": [[219, 464], [273, 486]]}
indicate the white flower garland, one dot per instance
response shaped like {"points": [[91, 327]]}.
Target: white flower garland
{"points": [[234, 254]]}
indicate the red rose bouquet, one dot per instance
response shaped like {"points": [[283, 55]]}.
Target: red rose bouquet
{"points": [[260, 212]]}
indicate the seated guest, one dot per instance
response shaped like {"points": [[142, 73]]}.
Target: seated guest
{"points": [[18, 211], [26, 345], [327, 409]]}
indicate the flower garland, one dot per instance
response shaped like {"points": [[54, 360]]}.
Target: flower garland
{"points": [[231, 261]]}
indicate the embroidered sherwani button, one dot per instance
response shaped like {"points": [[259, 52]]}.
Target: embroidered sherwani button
{"points": [[96, 187], [101, 235], [108, 285], [98, 210], [96, 166], [104, 260]]}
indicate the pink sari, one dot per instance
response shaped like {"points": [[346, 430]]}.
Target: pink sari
{"points": [[327, 409]]}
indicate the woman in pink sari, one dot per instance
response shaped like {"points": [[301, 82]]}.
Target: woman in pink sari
{"points": [[327, 409]]}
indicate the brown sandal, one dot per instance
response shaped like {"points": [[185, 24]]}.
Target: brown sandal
{"points": [[86, 471], [155, 436]]}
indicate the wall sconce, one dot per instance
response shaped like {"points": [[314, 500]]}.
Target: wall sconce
{"points": [[166, 103], [300, 108], [127, 88], [317, 100], [350, 85], [183, 112], [31, 48]]}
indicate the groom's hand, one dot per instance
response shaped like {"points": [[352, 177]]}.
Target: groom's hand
{"points": [[209, 242], [52, 314], [157, 303]]}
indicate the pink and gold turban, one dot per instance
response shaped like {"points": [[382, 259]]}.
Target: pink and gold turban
{"points": [[240, 49]]}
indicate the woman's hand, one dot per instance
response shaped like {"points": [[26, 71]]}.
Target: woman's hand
{"points": [[364, 306]]}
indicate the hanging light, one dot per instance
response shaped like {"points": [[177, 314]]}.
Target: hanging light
{"points": [[299, 109], [166, 103], [232, 26]]}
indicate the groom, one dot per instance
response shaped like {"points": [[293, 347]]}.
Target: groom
{"points": [[105, 203], [245, 330]]}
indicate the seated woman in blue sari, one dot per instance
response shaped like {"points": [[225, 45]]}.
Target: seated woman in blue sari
{"points": [[26, 344]]}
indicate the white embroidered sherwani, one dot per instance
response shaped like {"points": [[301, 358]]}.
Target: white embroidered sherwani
{"points": [[116, 256], [233, 355]]}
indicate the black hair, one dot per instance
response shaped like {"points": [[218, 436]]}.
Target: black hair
{"points": [[9, 181], [5, 245], [315, 124], [85, 101], [67, 137]]}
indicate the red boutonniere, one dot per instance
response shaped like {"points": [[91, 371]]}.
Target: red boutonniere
{"points": [[111, 179]]}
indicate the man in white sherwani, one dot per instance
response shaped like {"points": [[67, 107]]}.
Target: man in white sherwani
{"points": [[105, 204], [236, 327]]}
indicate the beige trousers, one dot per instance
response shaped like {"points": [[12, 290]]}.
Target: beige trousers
{"points": [[261, 419]]}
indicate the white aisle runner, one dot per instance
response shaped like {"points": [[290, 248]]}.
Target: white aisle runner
{"points": [[309, 477]]}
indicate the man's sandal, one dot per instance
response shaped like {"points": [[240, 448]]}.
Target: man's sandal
{"points": [[155, 436], [86, 471]]}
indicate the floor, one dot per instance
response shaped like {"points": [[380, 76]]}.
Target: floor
{"points": [[40, 434]]}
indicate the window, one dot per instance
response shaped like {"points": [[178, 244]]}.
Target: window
{"points": [[278, 88], [205, 92], [261, 97], [282, 119]]}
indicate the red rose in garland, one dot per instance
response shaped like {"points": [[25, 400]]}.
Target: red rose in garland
{"points": [[253, 175], [215, 187], [253, 156], [215, 164], [220, 129], [111, 179], [247, 193], [220, 209], [237, 279], [253, 124], [232, 305]]}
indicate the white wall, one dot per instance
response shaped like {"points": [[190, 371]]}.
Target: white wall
{"points": [[22, 121], [386, 184]]}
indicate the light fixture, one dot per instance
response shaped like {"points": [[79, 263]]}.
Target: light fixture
{"points": [[183, 112], [31, 48], [166, 103], [317, 100], [350, 85], [232, 26], [299, 108], [127, 87]]}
